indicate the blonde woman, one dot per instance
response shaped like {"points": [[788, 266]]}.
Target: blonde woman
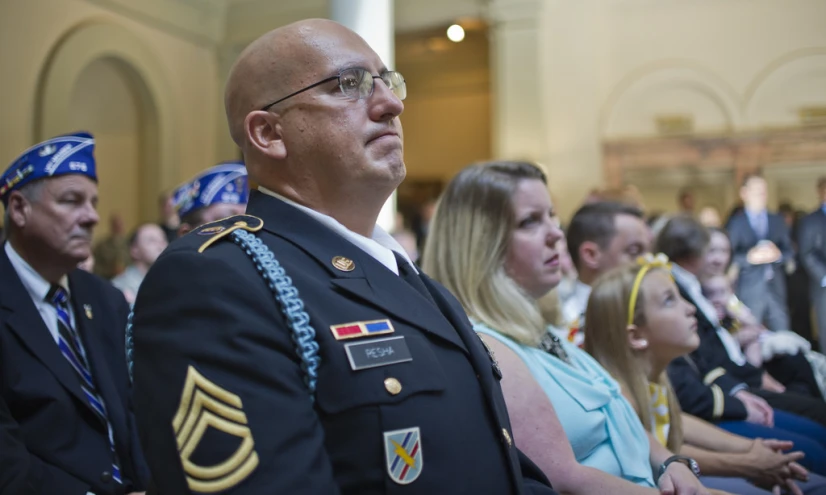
{"points": [[493, 243], [637, 324]]}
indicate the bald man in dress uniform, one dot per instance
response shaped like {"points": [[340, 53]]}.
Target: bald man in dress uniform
{"points": [[296, 349]]}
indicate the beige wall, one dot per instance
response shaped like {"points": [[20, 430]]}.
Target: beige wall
{"points": [[447, 113], [609, 67], [562, 77], [103, 100], [170, 71]]}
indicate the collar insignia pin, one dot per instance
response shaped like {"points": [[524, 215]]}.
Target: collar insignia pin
{"points": [[88, 309], [343, 264]]}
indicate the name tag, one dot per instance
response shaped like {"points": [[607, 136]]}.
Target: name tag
{"points": [[379, 352]]}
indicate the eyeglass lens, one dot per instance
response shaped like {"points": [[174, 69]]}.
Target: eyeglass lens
{"points": [[358, 83]]}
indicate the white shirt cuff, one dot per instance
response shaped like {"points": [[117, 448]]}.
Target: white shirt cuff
{"points": [[738, 388]]}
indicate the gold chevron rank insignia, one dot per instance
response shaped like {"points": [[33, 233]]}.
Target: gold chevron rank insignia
{"points": [[203, 405]]}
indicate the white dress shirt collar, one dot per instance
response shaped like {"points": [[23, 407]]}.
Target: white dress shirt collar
{"points": [[380, 246], [37, 286]]}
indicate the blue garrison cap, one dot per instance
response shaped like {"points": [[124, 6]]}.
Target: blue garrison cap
{"points": [[69, 154], [225, 183]]}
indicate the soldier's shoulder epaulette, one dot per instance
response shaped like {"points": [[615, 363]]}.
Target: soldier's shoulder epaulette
{"points": [[219, 229]]}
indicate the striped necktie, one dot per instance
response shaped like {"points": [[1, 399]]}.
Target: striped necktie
{"points": [[72, 349]]}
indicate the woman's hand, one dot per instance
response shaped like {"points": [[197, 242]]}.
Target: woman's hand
{"points": [[772, 385], [679, 480], [747, 335], [768, 466]]}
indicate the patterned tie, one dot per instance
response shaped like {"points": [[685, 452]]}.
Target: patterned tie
{"points": [[72, 349], [409, 275]]}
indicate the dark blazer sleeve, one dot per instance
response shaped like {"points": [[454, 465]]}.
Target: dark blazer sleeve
{"points": [[22, 473], [714, 355], [811, 246], [202, 323], [737, 229], [706, 394], [784, 240]]}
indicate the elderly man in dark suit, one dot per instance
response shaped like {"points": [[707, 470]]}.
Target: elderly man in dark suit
{"points": [[65, 421], [812, 246], [296, 349], [761, 249]]}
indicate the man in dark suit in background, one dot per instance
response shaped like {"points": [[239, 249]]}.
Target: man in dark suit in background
{"points": [[296, 349], [65, 422], [812, 247], [761, 249]]}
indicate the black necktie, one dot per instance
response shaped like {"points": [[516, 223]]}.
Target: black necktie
{"points": [[409, 275]]}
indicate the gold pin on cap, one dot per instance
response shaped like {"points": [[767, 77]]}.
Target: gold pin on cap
{"points": [[343, 264], [392, 386]]}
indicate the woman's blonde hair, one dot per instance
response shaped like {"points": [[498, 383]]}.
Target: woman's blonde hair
{"points": [[467, 243], [606, 339]]}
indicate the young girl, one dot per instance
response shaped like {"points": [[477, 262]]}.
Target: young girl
{"points": [[637, 324]]}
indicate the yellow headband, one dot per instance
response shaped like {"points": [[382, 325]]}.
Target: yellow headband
{"points": [[647, 261]]}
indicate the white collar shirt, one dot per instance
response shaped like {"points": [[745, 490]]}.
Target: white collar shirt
{"points": [[38, 288], [380, 246]]}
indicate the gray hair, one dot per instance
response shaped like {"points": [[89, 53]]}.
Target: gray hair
{"points": [[31, 192]]}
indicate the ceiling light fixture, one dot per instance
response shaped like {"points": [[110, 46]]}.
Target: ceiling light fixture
{"points": [[455, 33]]}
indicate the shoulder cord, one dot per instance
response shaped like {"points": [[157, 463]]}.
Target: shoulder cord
{"points": [[130, 344], [276, 278], [291, 304]]}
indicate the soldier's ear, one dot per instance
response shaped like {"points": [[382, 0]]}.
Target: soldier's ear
{"points": [[637, 338], [264, 133]]}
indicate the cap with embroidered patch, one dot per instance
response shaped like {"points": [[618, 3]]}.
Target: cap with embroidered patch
{"points": [[225, 183], [62, 155]]}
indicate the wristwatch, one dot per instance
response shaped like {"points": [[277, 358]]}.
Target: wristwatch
{"points": [[688, 461]]}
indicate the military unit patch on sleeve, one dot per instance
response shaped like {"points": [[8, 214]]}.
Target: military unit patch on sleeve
{"points": [[205, 405], [403, 450]]}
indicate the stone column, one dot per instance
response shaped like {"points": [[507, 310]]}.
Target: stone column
{"points": [[516, 67], [373, 21]]}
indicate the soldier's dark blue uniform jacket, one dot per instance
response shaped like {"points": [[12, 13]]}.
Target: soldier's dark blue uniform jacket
{"points": [[705, 381], [221, 397], [702, 381]]}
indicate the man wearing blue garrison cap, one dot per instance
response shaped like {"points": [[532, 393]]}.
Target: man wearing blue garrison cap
{"points": [[216, 193], [65, 422]]}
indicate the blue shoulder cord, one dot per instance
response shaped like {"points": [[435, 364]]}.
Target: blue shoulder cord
{"points": [[285, 293]]}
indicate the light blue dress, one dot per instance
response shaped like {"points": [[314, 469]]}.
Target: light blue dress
{"points": [[601, 425]]}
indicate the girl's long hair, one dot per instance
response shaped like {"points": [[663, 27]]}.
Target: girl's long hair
{"points": [[606, 339]]}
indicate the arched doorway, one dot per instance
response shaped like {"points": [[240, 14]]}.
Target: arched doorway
{"points": [[104, 102], [103, 79]]}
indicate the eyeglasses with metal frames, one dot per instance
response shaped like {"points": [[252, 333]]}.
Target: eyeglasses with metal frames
{"points": [[357, 83]]}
